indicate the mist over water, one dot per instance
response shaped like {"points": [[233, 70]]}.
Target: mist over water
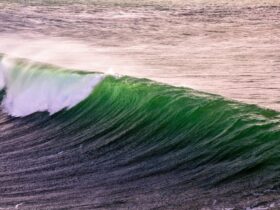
{"points": [[222, 47]]}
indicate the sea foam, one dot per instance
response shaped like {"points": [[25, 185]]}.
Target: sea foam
{"points": [[31, 88]]}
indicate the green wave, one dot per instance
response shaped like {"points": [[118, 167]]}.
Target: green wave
{"points": [[165, 128], [154, 129]]}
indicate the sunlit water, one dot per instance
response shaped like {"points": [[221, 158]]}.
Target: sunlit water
{"points": [[231, 49]]}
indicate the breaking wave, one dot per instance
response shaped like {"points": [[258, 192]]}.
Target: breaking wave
{"points": [[33, 88], [121, 142]]}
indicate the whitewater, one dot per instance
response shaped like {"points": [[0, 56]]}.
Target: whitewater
{"points": [[139, 105], [29, 91]]}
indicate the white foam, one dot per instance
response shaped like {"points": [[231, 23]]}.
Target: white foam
{"points": [[31, 89]]}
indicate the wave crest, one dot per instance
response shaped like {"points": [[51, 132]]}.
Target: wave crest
{"points": [[36, 87]]}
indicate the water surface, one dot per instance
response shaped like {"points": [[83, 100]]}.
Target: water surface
{"points": [[222, 47]]}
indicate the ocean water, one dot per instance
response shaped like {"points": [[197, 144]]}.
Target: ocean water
{"points": [[139, 105]]}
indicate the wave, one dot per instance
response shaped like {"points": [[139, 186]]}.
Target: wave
{"points": [[132, 141]]}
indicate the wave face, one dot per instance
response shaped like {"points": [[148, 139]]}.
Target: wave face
{"points": [[131, 143]]}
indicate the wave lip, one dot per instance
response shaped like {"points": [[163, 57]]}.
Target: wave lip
{"points": [[34, 88]]}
